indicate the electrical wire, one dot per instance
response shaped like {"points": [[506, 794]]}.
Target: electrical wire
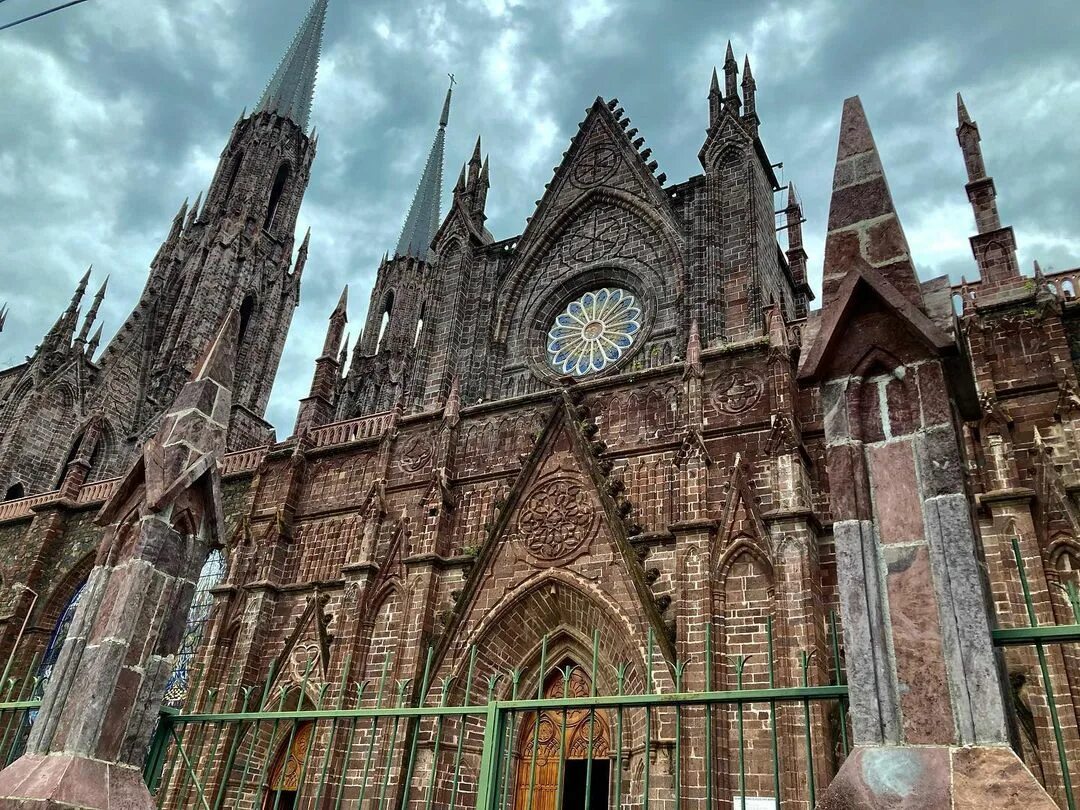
{"points": [[40, 14]]}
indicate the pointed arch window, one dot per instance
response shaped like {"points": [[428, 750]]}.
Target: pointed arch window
{"points": [[419, 326], [211, 575], [57, 639], [247, 307], [15, 491], [276, 193], [388, 308]]}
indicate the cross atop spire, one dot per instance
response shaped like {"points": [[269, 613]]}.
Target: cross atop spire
{"points": [[292, 89], [423, 220]]}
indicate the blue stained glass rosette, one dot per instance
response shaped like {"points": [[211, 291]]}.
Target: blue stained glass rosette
{"points": [[593, 332]]}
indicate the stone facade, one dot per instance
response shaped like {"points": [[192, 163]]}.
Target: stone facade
{"points": [[744, 461]]}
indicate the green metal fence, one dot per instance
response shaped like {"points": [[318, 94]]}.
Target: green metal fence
{"points": [[514, 740], [20, 699], [1056, 700]]}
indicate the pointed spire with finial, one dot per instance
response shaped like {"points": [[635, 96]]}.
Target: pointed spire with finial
{"points": [[338, 318], [343, 355], [292, 88], [716, 99], [423, 220], [731, 80], [92, 314], [864, 229], [302, 257], [475, 163], [483, 184], [63, 331], [981, 191], [962, 116], [178, 222], [92, 346], [749, 88], [193, 213]]}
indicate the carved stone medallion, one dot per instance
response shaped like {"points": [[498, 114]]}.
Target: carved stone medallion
{"points": [[595, 166], [737, 391], [416, 453], [557, 519]]}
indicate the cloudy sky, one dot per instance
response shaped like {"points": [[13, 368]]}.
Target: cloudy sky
{"points": [[116, 110]]}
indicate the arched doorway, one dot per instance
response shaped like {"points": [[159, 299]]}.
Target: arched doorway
{"points": [[563, 750], [288, 768]]}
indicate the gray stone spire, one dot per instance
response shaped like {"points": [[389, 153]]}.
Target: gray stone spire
{"points": [[290, 92], [423, 220]]}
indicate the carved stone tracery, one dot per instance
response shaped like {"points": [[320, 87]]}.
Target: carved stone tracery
{"points": [[557, 519]]}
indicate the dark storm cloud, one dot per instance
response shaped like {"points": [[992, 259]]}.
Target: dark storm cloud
{"points": [[117, 109]]}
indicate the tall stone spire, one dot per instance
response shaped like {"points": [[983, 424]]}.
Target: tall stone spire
{"points": [[423, 219], [292, 89]]}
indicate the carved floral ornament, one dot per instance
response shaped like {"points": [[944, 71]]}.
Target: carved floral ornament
{"points": [[557, 520], [737, 391]]}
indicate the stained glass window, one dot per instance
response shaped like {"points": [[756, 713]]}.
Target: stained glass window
{"points": [[213, 571], [56, 640], [56, 644], [594, 331]]}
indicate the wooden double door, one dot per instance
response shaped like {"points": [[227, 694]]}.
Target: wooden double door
{"points": [[572, 746]]}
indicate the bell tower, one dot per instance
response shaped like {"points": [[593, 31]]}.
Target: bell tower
{"points": [[401, 299], [233, 251]]}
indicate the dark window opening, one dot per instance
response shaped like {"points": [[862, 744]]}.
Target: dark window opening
{"points": [[15, 491], [233, 174], [575, 779], [246, 308], [275, 196]]}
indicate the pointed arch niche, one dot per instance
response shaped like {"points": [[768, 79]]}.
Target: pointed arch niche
{"points": [[743, 604], [567, 746]]}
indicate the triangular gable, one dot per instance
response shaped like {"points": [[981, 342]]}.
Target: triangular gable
{"points": [[868, 281], [601, 155], [393, 565], [563, 458]]}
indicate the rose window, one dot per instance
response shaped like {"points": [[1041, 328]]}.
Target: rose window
{"points": [[594, 331]]}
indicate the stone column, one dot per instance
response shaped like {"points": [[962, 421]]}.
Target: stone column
{"points": [[89, 742]]}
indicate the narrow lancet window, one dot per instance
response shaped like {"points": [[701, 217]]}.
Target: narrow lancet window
{"points": [[276, 194]]}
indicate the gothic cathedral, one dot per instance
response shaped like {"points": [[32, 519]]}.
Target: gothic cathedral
{"points": [[617, 453]]}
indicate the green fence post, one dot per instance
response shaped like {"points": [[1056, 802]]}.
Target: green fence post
{"points": [[155, 759], [489, 758]]}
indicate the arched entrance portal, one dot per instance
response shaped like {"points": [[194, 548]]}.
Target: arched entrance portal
{"points": [[288, 766], [563, 749]]}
